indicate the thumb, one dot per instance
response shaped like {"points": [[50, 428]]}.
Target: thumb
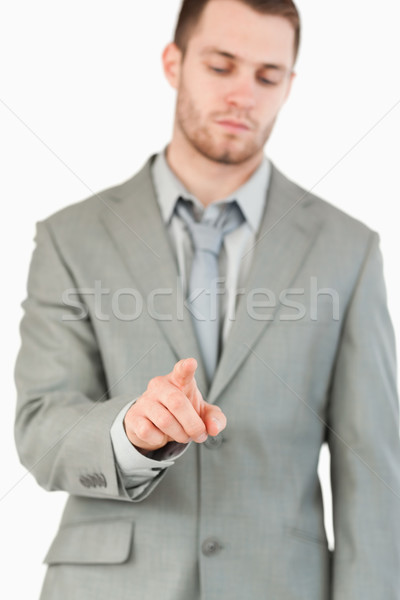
{"points": [[213, 417], [183, 372]]}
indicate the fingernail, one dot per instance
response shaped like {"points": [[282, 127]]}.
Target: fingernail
{"points": [[202, 438], [218, 423]]}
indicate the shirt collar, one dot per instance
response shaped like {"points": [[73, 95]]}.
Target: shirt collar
{"points": [[250, 196]]}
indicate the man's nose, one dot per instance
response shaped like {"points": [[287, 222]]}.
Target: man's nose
{"points": [[242, 92]]}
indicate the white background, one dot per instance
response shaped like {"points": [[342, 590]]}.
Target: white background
{"points": [[83, 103]]}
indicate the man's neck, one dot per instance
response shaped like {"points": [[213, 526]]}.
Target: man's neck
{"points": [[208, 180]]}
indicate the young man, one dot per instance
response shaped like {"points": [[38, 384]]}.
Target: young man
{"points": [[243, 322]]}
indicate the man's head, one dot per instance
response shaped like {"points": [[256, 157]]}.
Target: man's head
{"points": [[191, 11], [232, 65]]}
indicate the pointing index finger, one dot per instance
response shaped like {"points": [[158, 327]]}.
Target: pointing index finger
{"points": [[183, 372]]}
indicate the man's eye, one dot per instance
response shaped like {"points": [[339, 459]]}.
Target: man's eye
{"points": [[218, 70], [267, 81]]}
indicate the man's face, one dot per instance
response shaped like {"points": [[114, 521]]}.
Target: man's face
{"points": [[233, 80]]}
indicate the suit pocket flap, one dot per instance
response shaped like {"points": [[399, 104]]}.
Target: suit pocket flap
{"points": [[100, 542]]}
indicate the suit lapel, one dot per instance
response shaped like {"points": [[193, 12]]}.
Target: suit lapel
{"points": [[132, 218], [287, 232]]}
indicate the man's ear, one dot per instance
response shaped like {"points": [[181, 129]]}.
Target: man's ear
{"points": [[172, 59]]}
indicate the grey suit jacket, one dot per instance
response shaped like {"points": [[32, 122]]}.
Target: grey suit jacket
{"points": [[309, 358]]}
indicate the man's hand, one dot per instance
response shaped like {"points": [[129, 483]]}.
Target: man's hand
{"points": [[172, 409]]}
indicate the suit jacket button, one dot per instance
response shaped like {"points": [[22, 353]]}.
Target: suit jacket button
{"points": [[210, 547], [84, 481], [213, 443]]}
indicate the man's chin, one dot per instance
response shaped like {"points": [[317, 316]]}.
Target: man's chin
{"points": [[228, 155]]}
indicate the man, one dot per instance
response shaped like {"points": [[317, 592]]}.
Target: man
{"points": [[193, 336]]}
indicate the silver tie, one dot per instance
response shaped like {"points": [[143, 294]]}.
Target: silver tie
{"points": [[202, 298]]}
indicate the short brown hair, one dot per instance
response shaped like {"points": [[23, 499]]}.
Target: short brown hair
{"points": [[191, 11]]}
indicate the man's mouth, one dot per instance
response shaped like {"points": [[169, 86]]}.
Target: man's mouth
{"points": [[232, 125]]}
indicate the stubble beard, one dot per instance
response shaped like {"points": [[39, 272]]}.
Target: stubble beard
{"points": [[224, 149]]}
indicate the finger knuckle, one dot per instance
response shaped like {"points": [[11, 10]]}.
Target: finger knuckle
{"points": [[176, 401], [141, 402], [164, 420], [143, 429], [155, 382]]}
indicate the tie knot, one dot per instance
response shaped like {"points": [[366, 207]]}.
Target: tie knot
{"points": [[208, 233], [206, 237]]}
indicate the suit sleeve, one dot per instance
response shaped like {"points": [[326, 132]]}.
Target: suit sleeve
{"points": [[363, 437], [65, 406]]}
